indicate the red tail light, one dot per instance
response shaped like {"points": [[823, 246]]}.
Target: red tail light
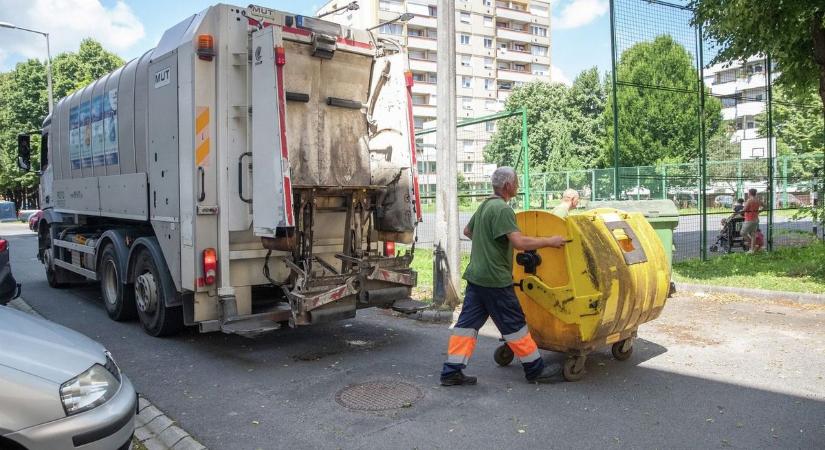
{"points": [[389, 248], [4, 245], [280, 56], [210, 265], [408, 77]]}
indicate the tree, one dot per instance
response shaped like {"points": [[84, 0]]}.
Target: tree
{"points": [[798, 127], [24, 105], [563, 123], [792, 32], [658, 106]]}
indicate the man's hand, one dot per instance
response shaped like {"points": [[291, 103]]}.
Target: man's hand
{"points": [[526, 243], [555, 242]]}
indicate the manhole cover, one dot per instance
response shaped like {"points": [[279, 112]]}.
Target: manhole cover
{"points": [[378, 396]]}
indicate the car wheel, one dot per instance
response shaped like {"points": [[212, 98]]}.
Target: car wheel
{"points": [[151, 295], [118, 298]]}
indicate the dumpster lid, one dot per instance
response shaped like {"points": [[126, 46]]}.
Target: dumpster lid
{"points": [[649, 208]]}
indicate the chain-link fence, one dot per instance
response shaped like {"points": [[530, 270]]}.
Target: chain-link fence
{"points": [[727, 118]]}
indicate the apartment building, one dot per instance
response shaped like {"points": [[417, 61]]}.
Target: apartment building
{"points": [[742, 87], [500, 44]]}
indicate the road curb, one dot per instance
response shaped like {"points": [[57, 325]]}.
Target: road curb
{"points": [[153, 429], [796, 297]]}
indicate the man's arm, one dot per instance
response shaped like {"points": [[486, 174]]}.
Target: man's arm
{"points": [[522, 242], [468, 232]]}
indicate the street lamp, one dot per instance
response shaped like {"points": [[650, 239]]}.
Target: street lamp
{"points": [[350, 7], [48, 57], [406, 17]]}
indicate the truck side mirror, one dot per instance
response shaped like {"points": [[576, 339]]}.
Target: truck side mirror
{"points": [[24, 152]]}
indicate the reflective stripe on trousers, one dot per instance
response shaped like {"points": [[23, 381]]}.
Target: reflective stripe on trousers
{"points": [[461, 345], [523, 345]]}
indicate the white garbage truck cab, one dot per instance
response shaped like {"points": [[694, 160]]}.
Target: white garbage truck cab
{"points": [[254, 170]]}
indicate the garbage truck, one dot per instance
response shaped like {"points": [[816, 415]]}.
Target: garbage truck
{"points": [[252, 171]]}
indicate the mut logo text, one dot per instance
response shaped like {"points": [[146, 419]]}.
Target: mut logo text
{"points": [[162, 77]]}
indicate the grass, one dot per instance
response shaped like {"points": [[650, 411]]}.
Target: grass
{"points": [[423, 264], [787, 269]]}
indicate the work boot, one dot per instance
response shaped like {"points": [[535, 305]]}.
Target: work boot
{"points": [[457, 379], [550, 374]]}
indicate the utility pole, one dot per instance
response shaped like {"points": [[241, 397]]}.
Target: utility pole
{"points": [[446, 204]]}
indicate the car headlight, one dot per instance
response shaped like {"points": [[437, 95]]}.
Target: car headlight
{"points": [[88, 390]]}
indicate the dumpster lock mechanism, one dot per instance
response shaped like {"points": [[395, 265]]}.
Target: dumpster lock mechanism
{"points": [[530, 260]]}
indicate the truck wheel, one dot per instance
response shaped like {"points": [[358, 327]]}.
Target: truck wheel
{"points": [[118, 298], [53, 274], [150, 295]]}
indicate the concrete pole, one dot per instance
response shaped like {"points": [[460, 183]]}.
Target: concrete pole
{"points": [[446, 205]]}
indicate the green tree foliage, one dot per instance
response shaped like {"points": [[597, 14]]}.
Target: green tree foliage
{"points": [[798, 127], [792, 32], [24, 106], [563, 123], [658, 125]]}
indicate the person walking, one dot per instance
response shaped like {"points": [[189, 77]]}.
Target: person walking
{"points": [[751, 213], [569, 200], [494, 233]]}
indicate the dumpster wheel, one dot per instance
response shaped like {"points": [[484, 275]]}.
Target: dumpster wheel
{"points": [[622, 350], [573, 369], [503, 355]]}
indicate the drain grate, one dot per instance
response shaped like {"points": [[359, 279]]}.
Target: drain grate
{"points": [[378, 396]]}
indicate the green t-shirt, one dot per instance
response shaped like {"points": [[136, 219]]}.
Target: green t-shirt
{"points": [[491, 259]]}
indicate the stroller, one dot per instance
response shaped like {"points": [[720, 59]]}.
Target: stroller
{"points": [[730, 235]]}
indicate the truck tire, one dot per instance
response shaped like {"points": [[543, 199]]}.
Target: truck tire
{"points": [[118, 298], [53, 273], [151, 295]]}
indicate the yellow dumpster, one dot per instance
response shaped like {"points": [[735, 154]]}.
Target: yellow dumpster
{"points": [[612, 276]]}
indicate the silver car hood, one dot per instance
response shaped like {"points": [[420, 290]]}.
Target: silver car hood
{"points": [[45, 349]]}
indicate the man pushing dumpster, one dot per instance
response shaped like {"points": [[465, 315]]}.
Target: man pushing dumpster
{"points": [[490, 293]]}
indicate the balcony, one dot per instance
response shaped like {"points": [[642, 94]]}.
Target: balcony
{"points": [[515, 14], [422, 43], [422, 65], [423, 87], [513, 55], [511, 75], [514, 35], [424, 110], [424, 21]]}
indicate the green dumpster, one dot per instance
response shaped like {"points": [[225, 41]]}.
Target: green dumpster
{"points": [[662, 215]]}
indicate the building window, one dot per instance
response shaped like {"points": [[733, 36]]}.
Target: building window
{"points": [[488, 84], [417, 32], [502, 45], [540, 69], [418, 122], [751, 125], [488, 43], [420, 166], [419, 99], [490, 127], [488, 21], [432, 170], [464, 17], [465, 60], [725, 76], [467, 103], [505, 85], [466, 82], [538, 31], [433, 78], [390, 5], [488, 63], [468, 146], [391, 28], [465, 39], [519, 47], [728, 102], [418, 54], [487, 2], [520, 68], [418, 76], [468, 167], [539, 10], [538, 50], [433, 11]]}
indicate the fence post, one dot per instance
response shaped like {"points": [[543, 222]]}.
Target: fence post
{"points": [[544, 191], [664, 182], [615, 102], [526, 156], [592, 185], [739, 177], [784, 177], [770, 156], [702, 150]]}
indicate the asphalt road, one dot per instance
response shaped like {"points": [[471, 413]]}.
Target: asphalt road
{"points": [[711, 372], [686, 237]]}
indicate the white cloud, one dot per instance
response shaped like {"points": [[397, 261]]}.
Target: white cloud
{"points": [[558, 76], [578, 13], [116, 27]]}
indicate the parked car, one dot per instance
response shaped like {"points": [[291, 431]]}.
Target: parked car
{"points": [[723, 201], [9, 288], [59, 389], [34, 220], [24, 214]]}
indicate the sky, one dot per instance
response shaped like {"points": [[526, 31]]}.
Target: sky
{"points": [[580, 28]]}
